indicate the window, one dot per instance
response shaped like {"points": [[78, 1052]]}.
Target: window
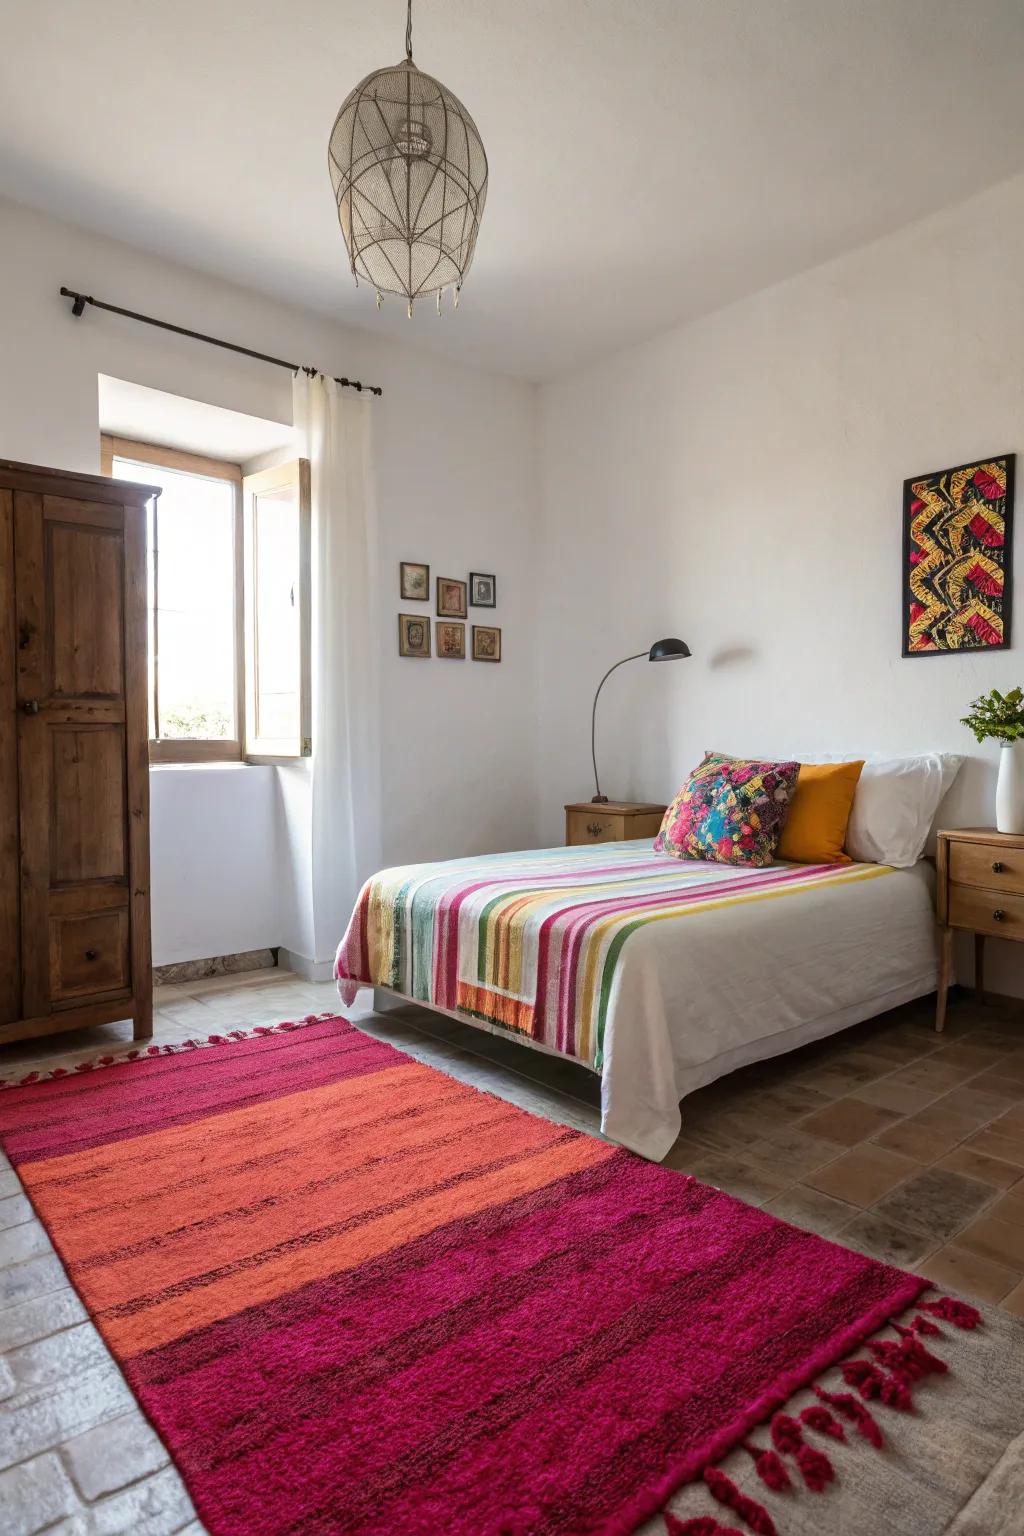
{"points": [[228, 605]]}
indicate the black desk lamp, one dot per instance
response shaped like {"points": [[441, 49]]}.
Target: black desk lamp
{"points": [[661, 650]]}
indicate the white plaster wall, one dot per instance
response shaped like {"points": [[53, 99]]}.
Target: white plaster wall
{"points": [[456, 464], [738, 482]]}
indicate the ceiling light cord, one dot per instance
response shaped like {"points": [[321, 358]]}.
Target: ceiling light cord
{"points": [[408, 32]]}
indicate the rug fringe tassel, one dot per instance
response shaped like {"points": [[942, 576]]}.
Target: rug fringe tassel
{"points": [[703, 1525], [171, 1049], [749, 1510], [769, 1466], [895, 1369], [960, 1313], [818, 1417]]}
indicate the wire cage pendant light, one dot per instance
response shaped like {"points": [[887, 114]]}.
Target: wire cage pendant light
{"points": [[410, 180]]}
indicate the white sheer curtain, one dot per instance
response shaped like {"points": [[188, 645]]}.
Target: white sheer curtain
{"points": [[334, 426]]}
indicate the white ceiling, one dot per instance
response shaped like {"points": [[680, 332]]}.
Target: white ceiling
{"points": [[650, 159]]}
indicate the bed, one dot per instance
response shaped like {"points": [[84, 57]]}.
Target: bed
{"points": [[657, 973]]}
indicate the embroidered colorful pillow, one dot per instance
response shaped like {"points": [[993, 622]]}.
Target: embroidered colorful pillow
{"points": [[730, 811]]}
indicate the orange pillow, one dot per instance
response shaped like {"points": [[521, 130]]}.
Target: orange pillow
{"points": [[815, 829]]}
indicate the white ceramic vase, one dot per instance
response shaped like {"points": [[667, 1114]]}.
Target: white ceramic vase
{"points": [[1010, 787]]}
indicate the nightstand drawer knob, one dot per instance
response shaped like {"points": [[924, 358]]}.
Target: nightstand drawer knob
{"points": [[998, 866], [594, 828], [999, 914]]}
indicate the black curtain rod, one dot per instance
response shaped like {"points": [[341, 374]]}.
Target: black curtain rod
{"points": [[82, 299]]}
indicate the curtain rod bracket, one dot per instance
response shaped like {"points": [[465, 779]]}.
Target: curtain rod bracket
{"points": [[80, 300]]}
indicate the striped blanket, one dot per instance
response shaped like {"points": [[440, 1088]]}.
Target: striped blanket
{"points": [[533, 942]]}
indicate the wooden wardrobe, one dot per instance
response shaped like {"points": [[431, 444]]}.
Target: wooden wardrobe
{"points": [[74, 753]]}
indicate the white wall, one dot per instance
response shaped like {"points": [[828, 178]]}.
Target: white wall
{"points": [[456, 464], [738, 482]]}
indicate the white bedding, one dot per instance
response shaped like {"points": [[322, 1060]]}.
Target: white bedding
{"points": [[723, 967]]}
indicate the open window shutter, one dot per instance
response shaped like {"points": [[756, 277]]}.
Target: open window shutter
{"points": [[277, 612]]}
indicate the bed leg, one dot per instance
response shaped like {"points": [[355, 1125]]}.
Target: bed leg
{"points": [[945, 967]]}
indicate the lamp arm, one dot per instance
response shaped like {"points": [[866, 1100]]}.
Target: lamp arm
{"points": [[598, 797]]}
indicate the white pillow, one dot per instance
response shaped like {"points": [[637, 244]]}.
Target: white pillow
{"points": [[894, 805]]}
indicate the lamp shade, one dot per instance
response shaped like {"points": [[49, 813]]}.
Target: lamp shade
{"points": [[668, 650]]}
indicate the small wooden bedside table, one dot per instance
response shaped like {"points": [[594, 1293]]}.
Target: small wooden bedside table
{"points": [[980, 891], [610, 822]]}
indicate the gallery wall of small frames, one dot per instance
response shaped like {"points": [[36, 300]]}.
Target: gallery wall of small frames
{"points": [[453, 597]]}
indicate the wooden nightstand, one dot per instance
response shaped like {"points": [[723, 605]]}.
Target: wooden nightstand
{"points": [[980, 891], [612, 822]]}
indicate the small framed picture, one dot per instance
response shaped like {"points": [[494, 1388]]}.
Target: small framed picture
{"points": [[486, 643], [483, 590], [451, 640], [415, 582], [413, 635], [451, 598]]}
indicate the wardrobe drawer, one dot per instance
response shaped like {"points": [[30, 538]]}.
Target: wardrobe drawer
{"points": [[89, 954], [996, 912], [988, 865]]}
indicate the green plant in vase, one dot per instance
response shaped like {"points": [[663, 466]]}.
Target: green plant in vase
{"points": [[996, 716]]}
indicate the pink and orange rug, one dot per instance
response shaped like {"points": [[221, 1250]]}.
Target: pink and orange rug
{"points": [[354, 1295]]}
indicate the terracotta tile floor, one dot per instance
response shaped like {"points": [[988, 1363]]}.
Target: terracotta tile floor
{"points": [[889, 1138]]}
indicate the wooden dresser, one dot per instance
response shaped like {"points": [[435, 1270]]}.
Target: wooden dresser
{"points": [[74, 753], [611, 822], [980, 891]]}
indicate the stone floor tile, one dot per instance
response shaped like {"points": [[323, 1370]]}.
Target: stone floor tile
{"points": [[752, 1184], [20, 1282], [992, 1142], [1014, 1302], [955, 1269], [1003, 1086], [936, 1201], [14, 1209], [39, 1421], [874, 1235], [811, 1209], [41, 1316], [990, 1170], [24, 1242], [791, 1151], [113, 1455], [862, 1175], [898, 1096], [63, 1355], [930, 1073], [158, 1506], [992, 1238], [925, 1137], [848, 1121], [34, 1495]]}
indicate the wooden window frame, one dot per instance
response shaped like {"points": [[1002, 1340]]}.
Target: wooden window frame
{"points": [[167, 750]]}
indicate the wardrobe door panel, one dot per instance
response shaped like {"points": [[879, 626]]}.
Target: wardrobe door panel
{"points": [[69, 578], [10, 920], [86, 580], [87, 835]]}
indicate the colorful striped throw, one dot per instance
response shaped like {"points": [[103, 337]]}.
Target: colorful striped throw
{"points": [[533, 941], [356, 1296]]}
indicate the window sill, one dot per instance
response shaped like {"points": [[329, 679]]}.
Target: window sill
{"points": [[211, 767]]}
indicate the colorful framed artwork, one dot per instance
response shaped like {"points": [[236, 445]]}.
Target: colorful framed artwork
{"points": [[451, 640], [483, 590], [957, 558], [413, 635], [414, 581], [486, 643], [451, 598]]}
